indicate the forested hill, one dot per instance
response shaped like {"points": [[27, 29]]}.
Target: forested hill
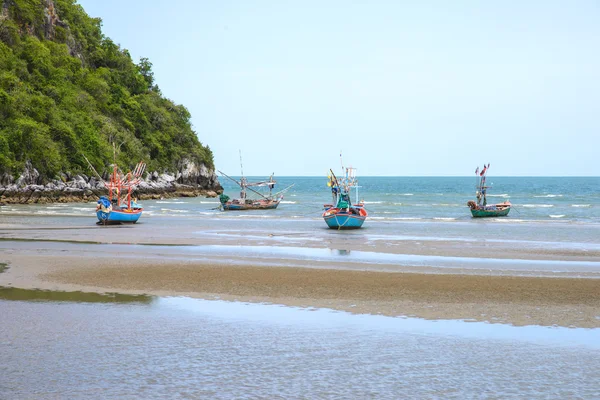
{"points": [[67, 91]]}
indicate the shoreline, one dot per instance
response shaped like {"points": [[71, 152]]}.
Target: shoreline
{"points": [[567, 302], [156, 232]]}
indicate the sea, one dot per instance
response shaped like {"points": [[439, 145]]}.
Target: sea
{"points": [[87, 346], [539, 199]]}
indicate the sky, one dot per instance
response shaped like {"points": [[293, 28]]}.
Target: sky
{"points": [[420, 88]]}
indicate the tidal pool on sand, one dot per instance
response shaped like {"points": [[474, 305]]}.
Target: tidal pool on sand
{"points": [[180, 347]]}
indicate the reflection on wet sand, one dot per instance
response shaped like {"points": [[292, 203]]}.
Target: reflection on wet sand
{"points": [[17, 294]]}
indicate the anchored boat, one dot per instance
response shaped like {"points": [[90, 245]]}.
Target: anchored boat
{"points": [[480, 208], [119, 206], [263, 202], [342, 214]]}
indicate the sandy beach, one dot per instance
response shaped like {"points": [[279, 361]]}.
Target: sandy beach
{"points": [[361, 288], [521, 283]]}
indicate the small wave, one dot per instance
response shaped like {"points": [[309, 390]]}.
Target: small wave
{"points": [[550, 195], [373, 202], [170, 202], [498, 195], [209, 202], [171, 210], [288, 202], [557, 216], [397, 204], [396, 219], [581, 205], [407, 194], [537, 205], [444, 218], [255, 216]]}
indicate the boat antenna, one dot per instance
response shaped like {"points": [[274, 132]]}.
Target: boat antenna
{"points": [[241, 165], [92, 167], [227, 176]]}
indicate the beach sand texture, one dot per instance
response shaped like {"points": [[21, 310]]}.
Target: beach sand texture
{"points": [[72, 259]]}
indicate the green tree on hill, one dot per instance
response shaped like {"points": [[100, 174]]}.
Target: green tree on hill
{"points": [[67, 91]]}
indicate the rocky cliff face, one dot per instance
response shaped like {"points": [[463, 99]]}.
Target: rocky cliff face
{"points": [[51, 20], [191, 180]]}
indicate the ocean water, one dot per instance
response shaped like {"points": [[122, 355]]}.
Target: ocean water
{"points": [[549, 212], [550, 199], [70, 345]]}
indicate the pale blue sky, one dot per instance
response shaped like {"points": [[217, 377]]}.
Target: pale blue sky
{"points": [[402, 88]]}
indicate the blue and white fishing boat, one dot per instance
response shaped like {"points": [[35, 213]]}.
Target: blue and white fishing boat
{"points": [[118, 206], [342, 214]]}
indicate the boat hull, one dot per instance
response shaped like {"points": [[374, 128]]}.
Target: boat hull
{"points": [[230, 206], [339, 219], [336, 221], [480, 213], [119, 216]]}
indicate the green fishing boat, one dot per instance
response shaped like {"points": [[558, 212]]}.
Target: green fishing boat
{"points": [[481, 208], [497, 210]]}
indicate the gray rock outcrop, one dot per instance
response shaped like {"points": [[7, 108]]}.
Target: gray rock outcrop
{"points": [[189, 181]]}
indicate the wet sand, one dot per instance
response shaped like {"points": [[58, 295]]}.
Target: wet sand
{"points": [[505, 299], [184, 233], [69, 258]]}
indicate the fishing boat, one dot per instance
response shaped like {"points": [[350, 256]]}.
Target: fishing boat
{"points": [[264, 201], [119, 206], [342, 214], [481, 208]]}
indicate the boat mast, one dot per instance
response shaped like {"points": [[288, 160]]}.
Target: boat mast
{"points": [[482, 189], [335, 184], [115, 185], [271, 184], [243, 181]]}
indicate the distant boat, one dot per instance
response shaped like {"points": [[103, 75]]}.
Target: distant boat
{"points": [[118, 206], [263, 202], [480, 208], [342, 214]]}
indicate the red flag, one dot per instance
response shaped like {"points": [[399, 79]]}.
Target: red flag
{"points": [[483, 171], [477, 171]]}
